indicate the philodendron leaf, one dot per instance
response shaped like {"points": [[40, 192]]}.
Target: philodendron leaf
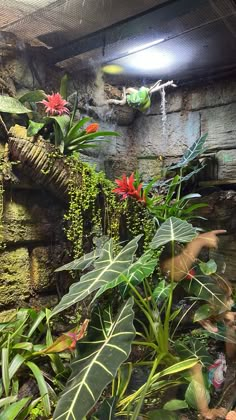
{"points": [[107, 268], [99, 357], [208, 267], [194, 151], [173, 229], [174, 405], [193, 349], [12, 106]]}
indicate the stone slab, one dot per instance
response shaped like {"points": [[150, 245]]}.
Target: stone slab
{"points": [[220, 124], [15, 282]]}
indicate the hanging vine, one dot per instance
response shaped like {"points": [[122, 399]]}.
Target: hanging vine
{"points": [[96, 212]]}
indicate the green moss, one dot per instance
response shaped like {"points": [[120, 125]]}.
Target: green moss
{"points": [[14, 277]]}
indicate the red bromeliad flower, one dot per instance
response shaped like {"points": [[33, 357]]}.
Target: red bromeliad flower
{"points": [[126, 188], [55, 104], [190, 274], [92, 128]]}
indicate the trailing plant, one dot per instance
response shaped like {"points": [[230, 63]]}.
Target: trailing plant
{"points": [[112, 332], [95, 213]]}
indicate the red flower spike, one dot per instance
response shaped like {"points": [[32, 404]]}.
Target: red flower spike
{"points": [[190, 274], [126, 188], [55, 104], [92, 128]]}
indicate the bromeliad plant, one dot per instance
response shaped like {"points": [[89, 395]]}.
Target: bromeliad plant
{"points": [[143, 318], [163, 198], [59, 124], [68, 135]]}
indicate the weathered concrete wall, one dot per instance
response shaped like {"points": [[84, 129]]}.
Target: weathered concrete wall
{"points": [[191, 112]]}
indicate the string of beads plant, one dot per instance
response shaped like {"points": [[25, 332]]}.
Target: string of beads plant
{"points": [[95, 211]]}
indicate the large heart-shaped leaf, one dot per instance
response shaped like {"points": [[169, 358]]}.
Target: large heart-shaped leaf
{"points": [[161, 415], [173, 229], [195, 150], [12, 106], [107, 268], [99, 358]]}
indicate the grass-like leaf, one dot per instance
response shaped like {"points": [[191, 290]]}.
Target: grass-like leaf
{"points": [[173, 229], [100, 356], [107, 268], [12, 412], [42, 387]]}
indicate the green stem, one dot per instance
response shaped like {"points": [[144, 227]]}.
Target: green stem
{"points": [[145, 388]]}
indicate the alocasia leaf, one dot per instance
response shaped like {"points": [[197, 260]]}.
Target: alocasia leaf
{"points": [[173, 229], [99, 357], [136, 273], [194, 348], [107, 268], [80, 263], [195, 150]]}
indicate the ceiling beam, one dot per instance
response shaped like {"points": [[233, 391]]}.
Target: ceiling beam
{"points": [[129, 28]]}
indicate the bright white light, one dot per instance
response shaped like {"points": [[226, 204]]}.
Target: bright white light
{"points": [[143, 46], [150, 60]]}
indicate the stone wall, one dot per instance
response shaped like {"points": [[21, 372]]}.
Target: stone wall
{"points": [[32, 232]]}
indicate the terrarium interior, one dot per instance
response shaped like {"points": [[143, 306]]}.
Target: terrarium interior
{"points": [[117, 136]]}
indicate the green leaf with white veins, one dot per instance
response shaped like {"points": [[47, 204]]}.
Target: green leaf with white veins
{"points": [[136, 273], [99, 357], [173, 229], [107, 268]]}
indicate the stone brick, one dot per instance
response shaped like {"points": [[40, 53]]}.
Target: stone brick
{"points": [[182, 129], [43, 262], [220, 124], [198, 97], [30, 216], [150, 167], [226, 164], [14, 277]]}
